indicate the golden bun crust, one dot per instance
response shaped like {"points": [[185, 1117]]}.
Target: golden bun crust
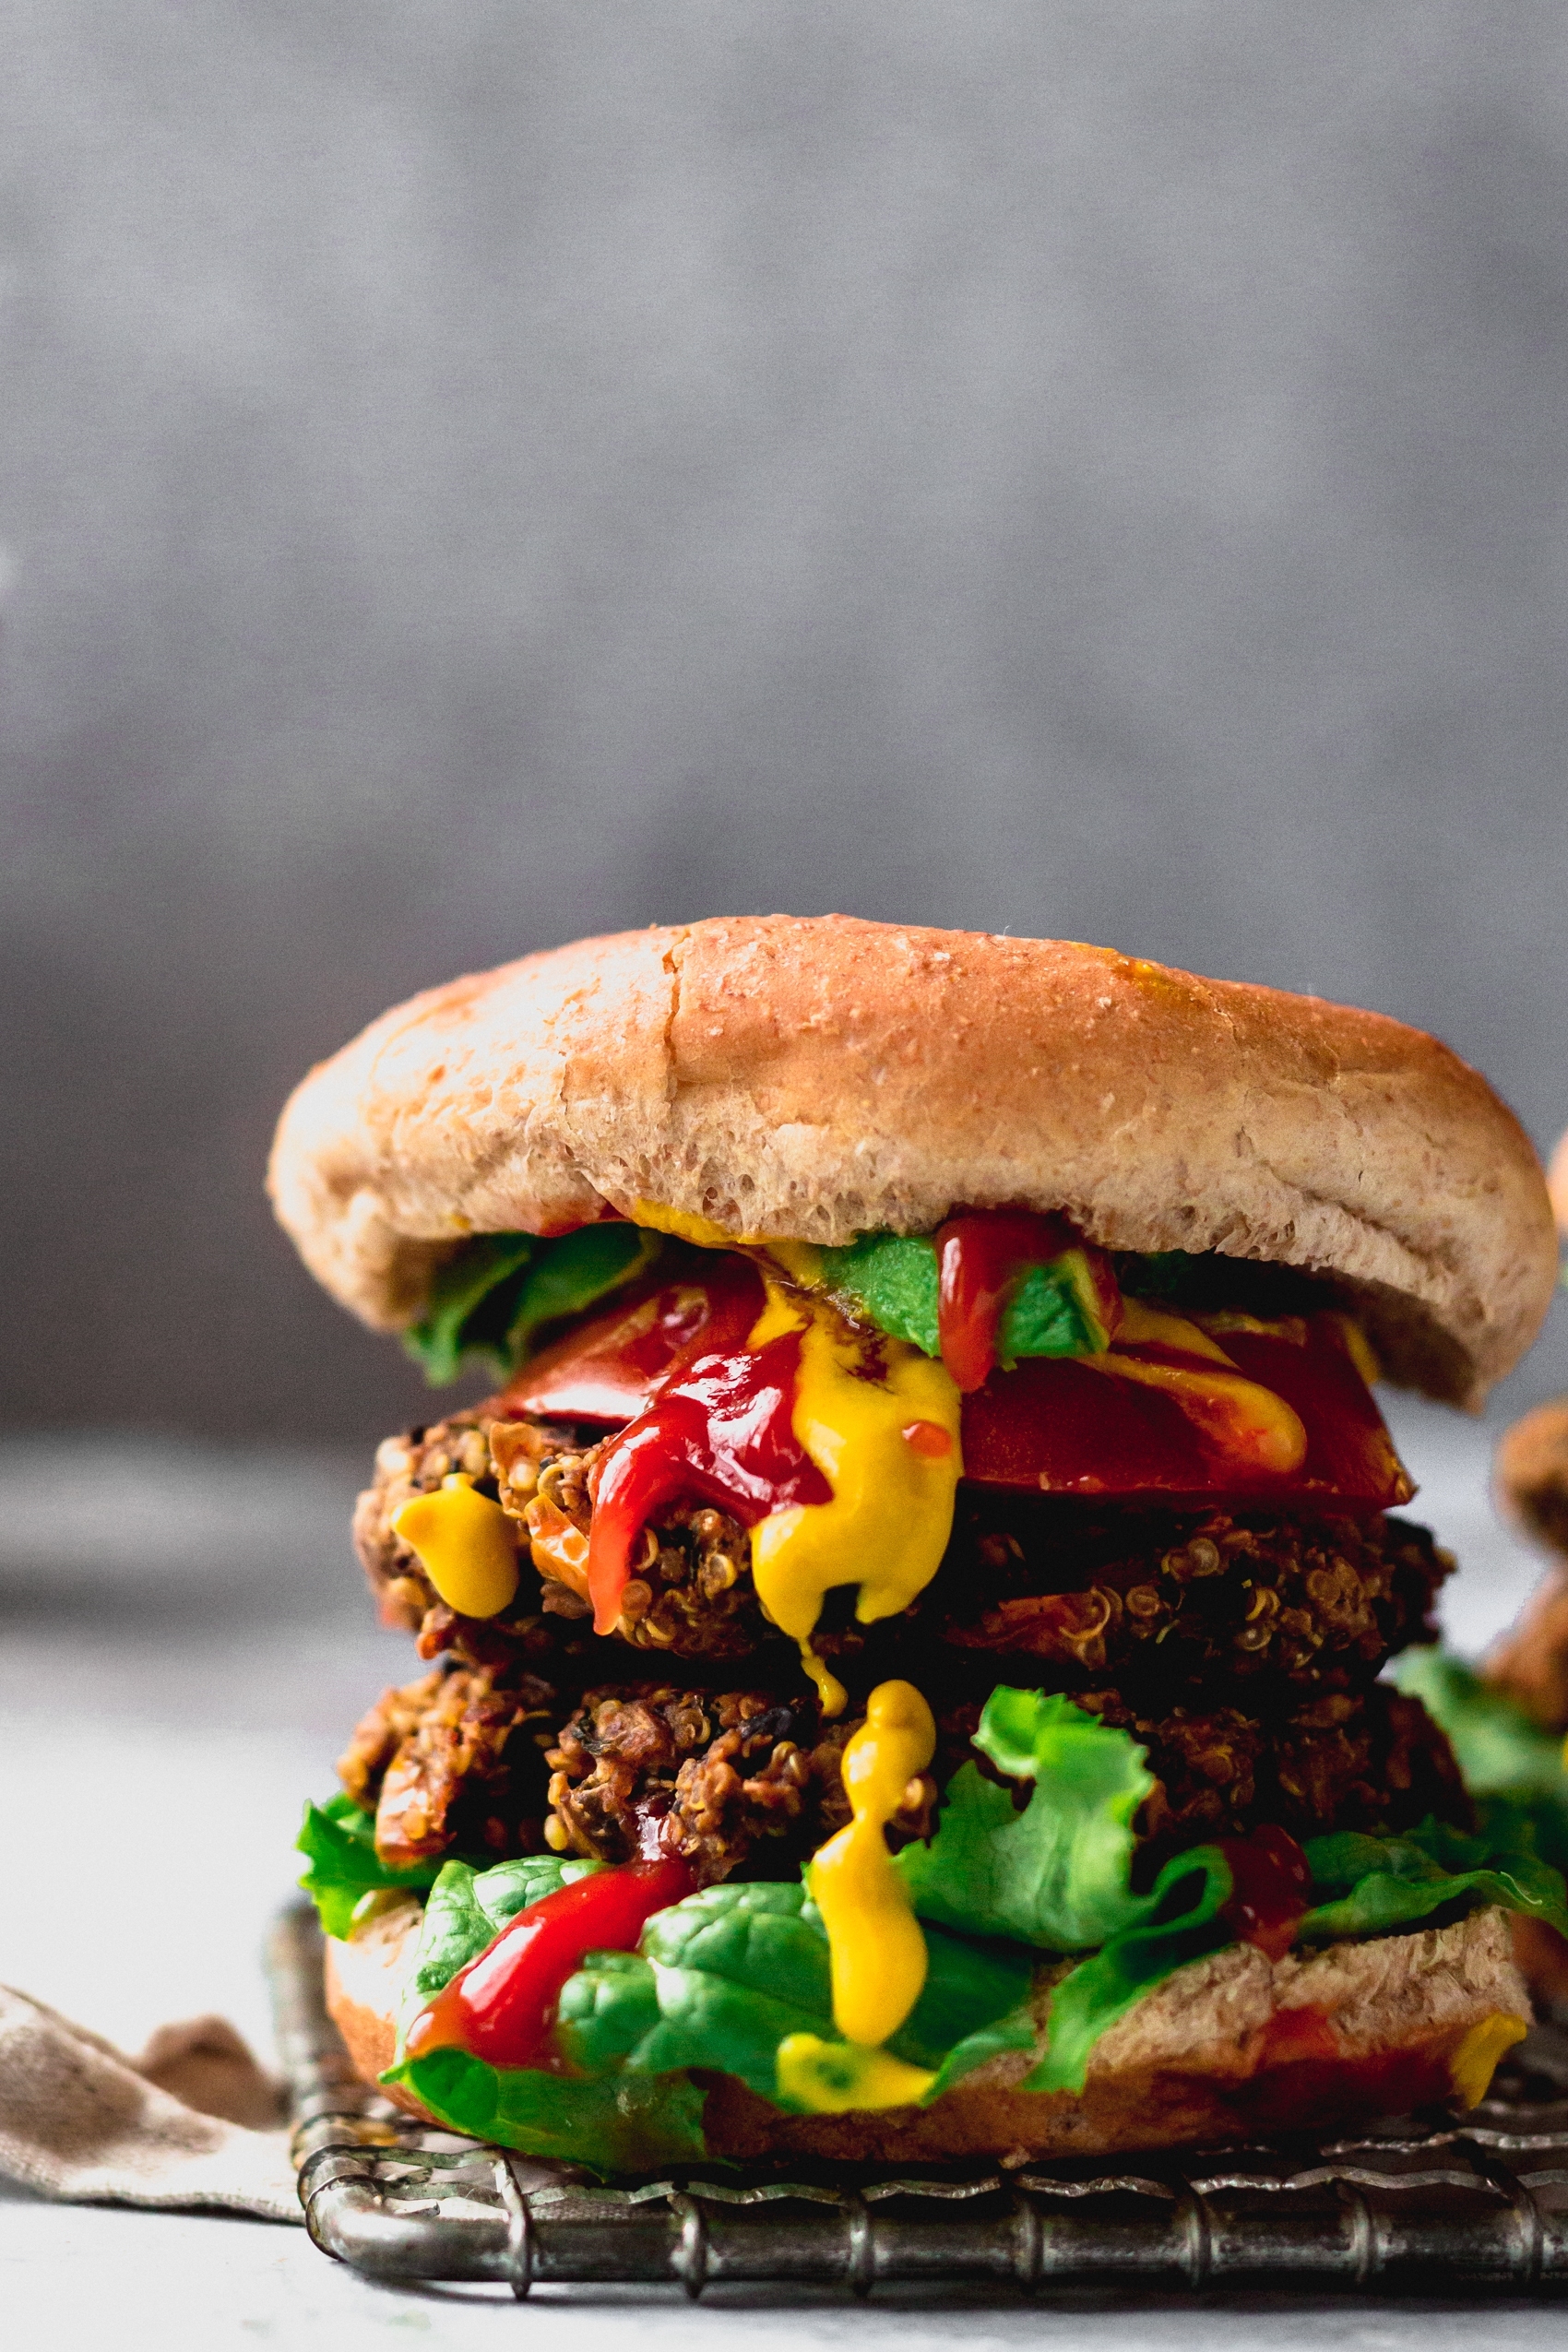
{"points": [[814, 1078], [1228, 2048]]}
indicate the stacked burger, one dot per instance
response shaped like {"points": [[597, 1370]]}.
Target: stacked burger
{"points": [[901, 1637]]}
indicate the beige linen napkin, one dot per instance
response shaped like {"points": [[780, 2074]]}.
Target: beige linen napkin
{"points": [[193, 2123]]}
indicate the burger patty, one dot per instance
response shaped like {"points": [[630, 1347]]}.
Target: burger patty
{"points": [[1075, 1591], [742, 1780], [455, 1764]]}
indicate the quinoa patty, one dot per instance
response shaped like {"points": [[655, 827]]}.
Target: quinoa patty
{"points": [[1073, 1592]]}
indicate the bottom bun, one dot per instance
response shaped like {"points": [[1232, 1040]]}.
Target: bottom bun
{"points": [[1230, 2048]]}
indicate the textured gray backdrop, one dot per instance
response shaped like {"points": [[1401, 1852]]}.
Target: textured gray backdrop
{"points": [[471, 473]]}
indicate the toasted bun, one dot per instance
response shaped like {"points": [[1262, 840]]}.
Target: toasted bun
{"points": [[1228, 2048], [813, 1078]]}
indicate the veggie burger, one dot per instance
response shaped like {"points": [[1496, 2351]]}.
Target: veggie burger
{"points": [[900, 1642]]}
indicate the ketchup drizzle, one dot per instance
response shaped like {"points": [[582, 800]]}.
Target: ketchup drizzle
{"points": [[982, 1254], [1271, 1888], [723, 1430], [500, 2007]]}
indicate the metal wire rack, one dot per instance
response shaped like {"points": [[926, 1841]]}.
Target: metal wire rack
{"points": [[1478, 2206]]}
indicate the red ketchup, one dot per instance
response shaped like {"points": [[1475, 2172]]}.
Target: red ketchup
{"points": [[1271, 1889], [723, 1431], [982, 1254], [502, 2006]]}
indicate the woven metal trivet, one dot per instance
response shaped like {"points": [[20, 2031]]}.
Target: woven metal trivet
{"points": [[1478, 2206]]}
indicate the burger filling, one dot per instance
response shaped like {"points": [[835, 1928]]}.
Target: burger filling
{"points": [[846, 1665]]}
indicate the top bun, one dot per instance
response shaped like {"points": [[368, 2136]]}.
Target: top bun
{"points": [[814, 1078]]}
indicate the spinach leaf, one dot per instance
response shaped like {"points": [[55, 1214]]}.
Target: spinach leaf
{"points": [[464, 1911], [725, 1977], [498, 1291], [622, 2123]]}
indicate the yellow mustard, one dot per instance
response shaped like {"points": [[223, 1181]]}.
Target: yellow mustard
{"points": [[889, 1449], [1275, 1436], [1474, 2064], [829, 2078], [466, 1545], [685, 1225], [884, 1433], [877, 1949]]}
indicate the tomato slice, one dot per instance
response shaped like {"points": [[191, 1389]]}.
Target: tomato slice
{"points": [[1057, 1425], [609, 1368]]}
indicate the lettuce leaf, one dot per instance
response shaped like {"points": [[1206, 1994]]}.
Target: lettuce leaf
{"points": [[1502, 1753], [464, 1912], [1058, 1874], [624, 2123], [1375, 1885], [494, 1294], [892, 1278], [1180, 1920], [1382, 1885], [725, 1977], [337, 1840]]}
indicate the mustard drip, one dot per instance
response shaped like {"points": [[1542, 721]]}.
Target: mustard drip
{"points": [[891, 1515], [829, 2078], [877, 1952], [465, 1544]]}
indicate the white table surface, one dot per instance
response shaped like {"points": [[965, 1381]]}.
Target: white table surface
{"points": [[186, 1647]]}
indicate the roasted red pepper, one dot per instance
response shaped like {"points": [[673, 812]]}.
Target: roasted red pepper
{"points": [[1058, 1426], [502, 2006]]}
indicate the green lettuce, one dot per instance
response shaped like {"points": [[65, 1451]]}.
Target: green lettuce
{"points": [[1382, 1885], [892, 1278], [1058, 1874], [466, 1909], [631, 2123], [1180, 1919], [1502, 1753], [342, 1866], [491, 1297]]}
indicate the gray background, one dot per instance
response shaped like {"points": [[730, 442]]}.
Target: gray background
{"points": [[474, 473]]}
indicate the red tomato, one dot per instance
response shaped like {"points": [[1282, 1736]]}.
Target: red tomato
{"points": [[1057, 1426], [608, 1370]]}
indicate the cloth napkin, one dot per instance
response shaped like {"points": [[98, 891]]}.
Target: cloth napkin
{"points": [[194, 2122]]}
